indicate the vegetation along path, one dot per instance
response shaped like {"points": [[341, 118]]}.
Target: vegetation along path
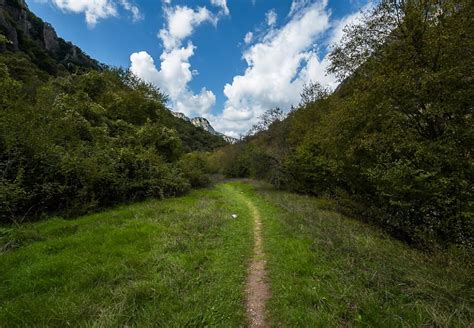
{"points": [[185, 262]]}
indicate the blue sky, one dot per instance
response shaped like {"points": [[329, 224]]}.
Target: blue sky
{"points": [[226, 60]]}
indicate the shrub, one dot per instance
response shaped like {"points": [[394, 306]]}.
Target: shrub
{"points": [[195, 167]]}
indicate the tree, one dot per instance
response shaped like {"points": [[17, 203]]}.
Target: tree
{"points": [[4, 40], [268, 118], [312, 92], [365, 38], [407, 125]]}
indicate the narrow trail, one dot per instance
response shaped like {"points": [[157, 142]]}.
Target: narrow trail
{"points": [[257, 290]]}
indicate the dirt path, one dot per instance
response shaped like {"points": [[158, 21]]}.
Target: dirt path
{"points": [[257, 290]]}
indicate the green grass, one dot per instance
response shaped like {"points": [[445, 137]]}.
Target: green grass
{"points": [[178, 262], [326, 270], [182, 263]]}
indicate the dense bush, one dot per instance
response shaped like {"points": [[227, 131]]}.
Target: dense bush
{"points": [[195, 167], [73, 143], [396, 136]]}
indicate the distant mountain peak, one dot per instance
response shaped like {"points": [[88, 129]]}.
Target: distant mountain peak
{"points": [[204, 124]]}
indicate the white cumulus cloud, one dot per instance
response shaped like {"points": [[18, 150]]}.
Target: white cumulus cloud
{"points": [[271, 17], [133, 9], [181, 22], [95, 10], [222, 4], [173, 77], [248, 37], [280, 60], [277, 68], [175, 72], [280, 64]]}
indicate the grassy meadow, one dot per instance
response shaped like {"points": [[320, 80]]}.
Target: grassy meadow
{"points": [[177, 262], [182, 262], [327, 270]]}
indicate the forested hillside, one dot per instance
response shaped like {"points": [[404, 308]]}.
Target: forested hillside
{"points": [[76, 135], [394, 142]]}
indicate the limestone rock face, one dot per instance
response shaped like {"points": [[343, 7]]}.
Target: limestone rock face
{"points": [[29, 34], [50, 38], [204, 124], [181, 116], [201, 122]]}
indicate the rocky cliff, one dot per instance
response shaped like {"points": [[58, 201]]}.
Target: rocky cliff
{"points": [[181, 116], [27, 33], [204, 124]]}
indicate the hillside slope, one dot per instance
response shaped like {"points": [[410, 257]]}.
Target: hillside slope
{"points": [[32, 50], [394, 142], [76, 135]]}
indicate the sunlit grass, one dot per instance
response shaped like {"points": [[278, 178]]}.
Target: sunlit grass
{"points": [[329, 271], [175, 262], [183, 262]]}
